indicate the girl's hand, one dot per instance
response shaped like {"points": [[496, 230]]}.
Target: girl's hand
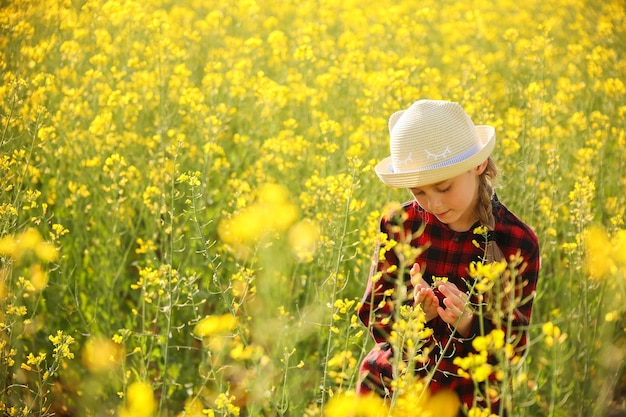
{"points": [[423, 294], [457, 312]]}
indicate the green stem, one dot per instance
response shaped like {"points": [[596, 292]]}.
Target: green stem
{"points": [[333, 299]]}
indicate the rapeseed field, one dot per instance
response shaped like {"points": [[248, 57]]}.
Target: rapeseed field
{"points": [[188, 207]]}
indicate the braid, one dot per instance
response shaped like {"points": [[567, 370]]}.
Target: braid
{"points": [[485, 193]]}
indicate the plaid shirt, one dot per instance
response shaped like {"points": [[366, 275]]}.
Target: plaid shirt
{"points": [[449, 255]]}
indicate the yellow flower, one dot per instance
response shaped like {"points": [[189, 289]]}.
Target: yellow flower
{"points": [[552, 333], [489, 271], [481, 343], [493, 341], [62, 344], [193, 408], [30, 240], [100, 354], [497, 338], [548, 328], [225, 402], [304, 240], [273, 194], [351, 405], [38, 277], [213, 325], [444, 403], [145, 246], [273, 212], [478, 412], [46, 252], [415, 401], [7, 246], [241, 352], [481, 373], [598, 251], [140, 401], [480, 230], [342, 359], [619, 247]]}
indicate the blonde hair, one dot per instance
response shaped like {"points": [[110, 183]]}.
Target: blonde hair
{"points": [[485, 194]]}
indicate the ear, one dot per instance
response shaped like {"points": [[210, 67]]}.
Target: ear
{"points": [[481, 168]]}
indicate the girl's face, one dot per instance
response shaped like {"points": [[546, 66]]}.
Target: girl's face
{"points": [[453, 201]]}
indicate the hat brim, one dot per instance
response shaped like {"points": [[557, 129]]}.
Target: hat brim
{"points": [[419, 178]]}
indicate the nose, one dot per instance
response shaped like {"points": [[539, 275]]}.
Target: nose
{"points": [[433, 203]]}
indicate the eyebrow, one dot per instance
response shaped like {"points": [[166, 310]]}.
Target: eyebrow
{"points": [[431, 185]]}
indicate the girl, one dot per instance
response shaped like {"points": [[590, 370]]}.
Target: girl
{"points": [[444, 160]]}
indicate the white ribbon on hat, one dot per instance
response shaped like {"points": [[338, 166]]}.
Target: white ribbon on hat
{"points": [[458, 158]]}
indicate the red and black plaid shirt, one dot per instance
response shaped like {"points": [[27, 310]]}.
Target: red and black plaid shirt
{"points": [[449, 255]]}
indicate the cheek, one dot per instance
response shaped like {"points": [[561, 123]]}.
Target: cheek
{"points": [[421, 202], [470, 193], [459, 193]]}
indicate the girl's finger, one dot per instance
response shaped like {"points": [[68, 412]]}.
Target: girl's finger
{"points": [[451, 313], [417, 295], [451, 291], [415, 274], [421, 294]]}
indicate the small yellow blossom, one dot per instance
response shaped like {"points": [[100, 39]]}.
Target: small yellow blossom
{"points": [[479, 412], [489, 271], [145, 246], [36, 360], [225, 402], [476, 366], [480, 230], [611, 316], [552, 334]]}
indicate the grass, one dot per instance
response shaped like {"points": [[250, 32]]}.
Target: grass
{"points": [[203, 171]]}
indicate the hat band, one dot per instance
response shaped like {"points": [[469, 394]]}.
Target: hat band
{"points": [[452, 161]]}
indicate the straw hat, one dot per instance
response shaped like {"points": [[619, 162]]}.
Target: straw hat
{"points": [[433, 141]]}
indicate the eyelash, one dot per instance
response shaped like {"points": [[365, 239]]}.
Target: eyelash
{"points": [[445, 190]]}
